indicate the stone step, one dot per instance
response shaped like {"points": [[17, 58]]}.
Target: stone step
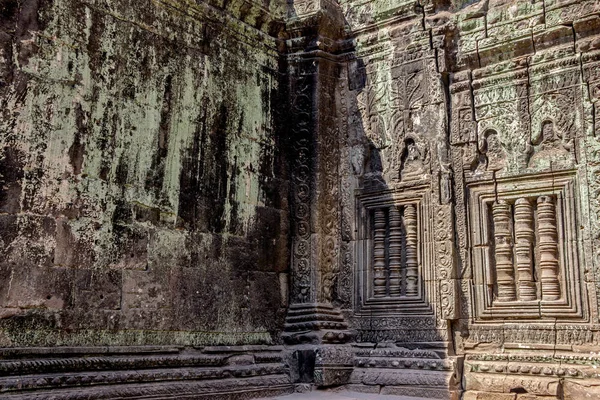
{"points": [[405, 363], [74, 364], [402, 377], [222, 389], [81, 379]]}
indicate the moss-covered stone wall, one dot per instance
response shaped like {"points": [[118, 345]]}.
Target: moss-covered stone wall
{"points": [[142, 185]]}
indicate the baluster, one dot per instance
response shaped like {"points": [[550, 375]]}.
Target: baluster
{"points": [[548, 248], [525, 237], [395, 249], [412, 270], [505, 273], [379, 254]]}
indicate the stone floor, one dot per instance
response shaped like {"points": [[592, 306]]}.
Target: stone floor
{"points": [[325, 395]]}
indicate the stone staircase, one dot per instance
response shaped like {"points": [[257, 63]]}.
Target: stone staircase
{"points": [[424, 370], [136, 372]]}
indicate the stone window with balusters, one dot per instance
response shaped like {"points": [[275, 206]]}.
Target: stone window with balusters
{"points": [[393, 266], [524, 252]]}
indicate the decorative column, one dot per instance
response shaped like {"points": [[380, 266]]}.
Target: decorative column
{"points": [[395, 248], [524, 239], [311, 141], [412, 264], [311, 133], [548, 248], [379, 254], [505, 273]]}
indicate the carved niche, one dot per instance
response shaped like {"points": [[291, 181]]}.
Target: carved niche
{"points": [[551, 148], [404, 276], [492, 156], [524, 246]]}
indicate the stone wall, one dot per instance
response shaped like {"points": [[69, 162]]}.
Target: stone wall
{"points": [[465, 245], [143, 185], [417, 179]]}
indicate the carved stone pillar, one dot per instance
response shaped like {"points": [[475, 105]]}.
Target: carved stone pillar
{"points": [[379, 254], [312, 321], [524, 239], [412, 263], [395, 250], [505, 273], [548, 248], [314, 147]]}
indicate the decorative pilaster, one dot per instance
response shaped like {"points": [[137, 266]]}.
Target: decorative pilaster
{"points": [[412, 263], [524, 242], [395, 251], [548, 248], [314, 147], [505, 273]]}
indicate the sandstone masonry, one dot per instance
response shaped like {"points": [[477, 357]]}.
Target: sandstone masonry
{"points": [[234, 199]]}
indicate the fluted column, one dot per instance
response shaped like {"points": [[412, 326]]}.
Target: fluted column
{"points": [[548, 248], [379, 254], [395, 249], [412, 265], [505, 273], [524, 239]]}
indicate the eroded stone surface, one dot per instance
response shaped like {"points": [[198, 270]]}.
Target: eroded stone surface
{"points": [[236, 199], [341, 395]]}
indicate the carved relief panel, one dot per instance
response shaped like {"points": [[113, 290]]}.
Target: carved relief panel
{"points": [[524, 247], [503, 121], [404, 278], [519, 144], [555, 106]]}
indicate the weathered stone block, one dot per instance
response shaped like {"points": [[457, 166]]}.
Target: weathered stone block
{"points": [[98, 289], [581, 389], [474, 395], [333, 365]]}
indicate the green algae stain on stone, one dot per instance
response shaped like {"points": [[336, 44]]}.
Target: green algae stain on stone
{"points": [[133, 152]]}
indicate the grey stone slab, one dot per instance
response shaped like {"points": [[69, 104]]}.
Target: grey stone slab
{"points": [[343, 395]]}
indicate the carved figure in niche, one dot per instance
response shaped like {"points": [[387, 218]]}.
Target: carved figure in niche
{"points": [[412, 164], [357, 158], [550, 148], [492, 156]]}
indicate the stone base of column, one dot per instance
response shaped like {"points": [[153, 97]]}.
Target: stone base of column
{"points": [[315, 323], [319, 354], [334, 365]]}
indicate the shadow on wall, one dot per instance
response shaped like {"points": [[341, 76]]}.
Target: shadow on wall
{"points": [[398, 146], [390, 152]]}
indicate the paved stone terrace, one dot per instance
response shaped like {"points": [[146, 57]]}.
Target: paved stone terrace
{"points": [[343, 395]]}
